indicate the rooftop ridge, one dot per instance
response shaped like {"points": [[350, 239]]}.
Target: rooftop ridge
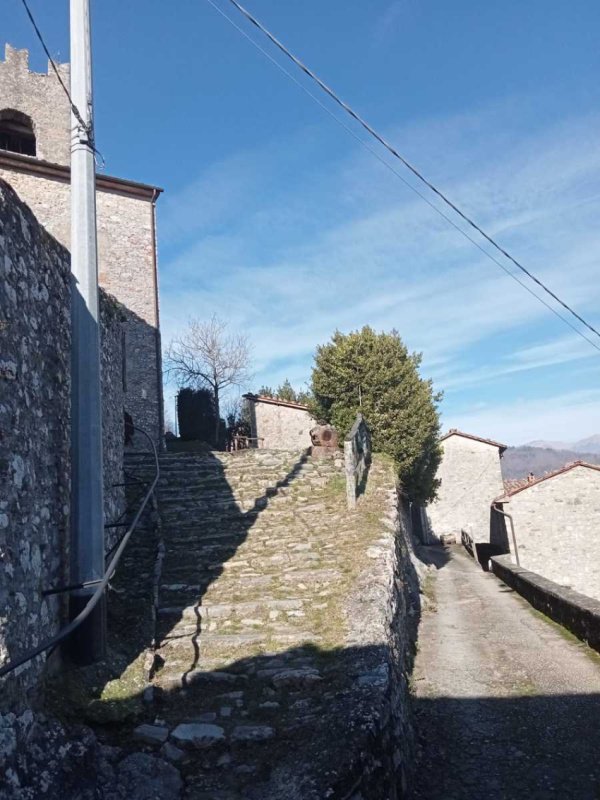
{"points": [[274, 401], [567, 468], [456, 432]]}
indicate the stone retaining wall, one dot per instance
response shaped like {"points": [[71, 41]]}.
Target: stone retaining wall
{"points": [[387, 602], [574, 611]]}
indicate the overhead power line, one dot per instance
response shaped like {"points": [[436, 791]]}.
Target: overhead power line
{"points": [[38, 33], [89, 132], [372, 132]]}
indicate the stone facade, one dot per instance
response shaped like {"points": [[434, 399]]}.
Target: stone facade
{"points": [[42, 99], [471, 478], [279, 425], [112, 322], [126, 226], [34, 430], [557, 524]]}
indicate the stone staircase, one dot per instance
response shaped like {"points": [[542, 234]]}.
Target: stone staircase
{"points": [[259, 639], [250, 580], [243, 554]]}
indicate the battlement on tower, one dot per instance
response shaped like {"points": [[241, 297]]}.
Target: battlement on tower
{"points": [[16, 59], [35, 116]]}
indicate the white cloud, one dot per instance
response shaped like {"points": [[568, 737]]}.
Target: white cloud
{"points": [[387, 23], [564, 350], [568, 416], [289, 261]]}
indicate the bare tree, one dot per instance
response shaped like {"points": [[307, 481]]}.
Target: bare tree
{"points": [[207, 355]]}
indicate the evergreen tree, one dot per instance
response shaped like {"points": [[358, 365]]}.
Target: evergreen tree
{"points": [[196, 415], [287, 392], [376, 375]]}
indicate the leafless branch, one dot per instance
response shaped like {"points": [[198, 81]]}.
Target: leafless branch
{"points": [[207, 355]]}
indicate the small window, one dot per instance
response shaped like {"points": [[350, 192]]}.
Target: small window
{"points": [[16, 132]]}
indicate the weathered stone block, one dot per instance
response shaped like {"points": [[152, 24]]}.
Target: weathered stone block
{"points": [[199, 736]]}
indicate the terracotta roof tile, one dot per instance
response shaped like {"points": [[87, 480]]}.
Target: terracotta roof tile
{"points": [[510, 492], [258, 398]]}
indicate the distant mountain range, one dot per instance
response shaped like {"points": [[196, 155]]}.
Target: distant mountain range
{"points": [[541, 457], [589, 445]]}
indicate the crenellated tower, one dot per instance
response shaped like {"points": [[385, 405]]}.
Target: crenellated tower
{"points": [[35, 155], [35, 116]]}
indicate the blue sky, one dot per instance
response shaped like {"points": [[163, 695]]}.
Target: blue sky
{"points": [[277, 219]]}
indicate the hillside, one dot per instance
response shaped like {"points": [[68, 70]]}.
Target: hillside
{"points": [[591, 444], [519, 461]]}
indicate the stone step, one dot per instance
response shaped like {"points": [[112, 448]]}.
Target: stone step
{"points": [[180, 654], [211, 610]]}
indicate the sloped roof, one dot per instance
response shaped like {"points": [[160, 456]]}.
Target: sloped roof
{"points": [[567, 468], [511, 484], [456, 432], [30, 165], [259, 398]]}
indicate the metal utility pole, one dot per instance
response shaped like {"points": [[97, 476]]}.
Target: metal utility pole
{"points": [[87, 523]]}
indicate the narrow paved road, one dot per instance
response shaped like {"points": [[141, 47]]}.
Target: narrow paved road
{"points": [[507, 705]]}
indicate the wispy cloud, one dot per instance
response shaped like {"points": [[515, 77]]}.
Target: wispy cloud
{"points": [[289, 250], [564, 350], [520, 420], [387, 22]]}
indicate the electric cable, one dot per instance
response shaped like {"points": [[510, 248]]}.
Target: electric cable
{"points": [[407, 164], [88, 128]]}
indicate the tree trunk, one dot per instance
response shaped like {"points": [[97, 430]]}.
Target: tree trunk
{"points": [[218, 418]]}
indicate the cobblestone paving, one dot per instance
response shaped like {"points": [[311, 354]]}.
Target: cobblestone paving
{"points": [[508, 705]]}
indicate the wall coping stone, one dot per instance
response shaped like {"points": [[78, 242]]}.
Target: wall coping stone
{"points": [[576, 612]]}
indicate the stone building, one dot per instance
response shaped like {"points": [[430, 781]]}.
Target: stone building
{"points": [[34, 160], [35, 366], [279, 425], [471, 478], [557, 526]]}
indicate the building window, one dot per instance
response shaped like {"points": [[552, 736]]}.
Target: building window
{"points": [[16, 132]]}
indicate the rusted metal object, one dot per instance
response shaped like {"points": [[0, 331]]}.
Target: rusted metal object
{"points": [[324, 440], [324, 436]]}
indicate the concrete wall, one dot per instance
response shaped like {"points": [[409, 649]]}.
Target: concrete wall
{"points": [[126, 230], [282, 427], [576, 612], [42, 98], [557, 526], [34, 430], [471, 478]]}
